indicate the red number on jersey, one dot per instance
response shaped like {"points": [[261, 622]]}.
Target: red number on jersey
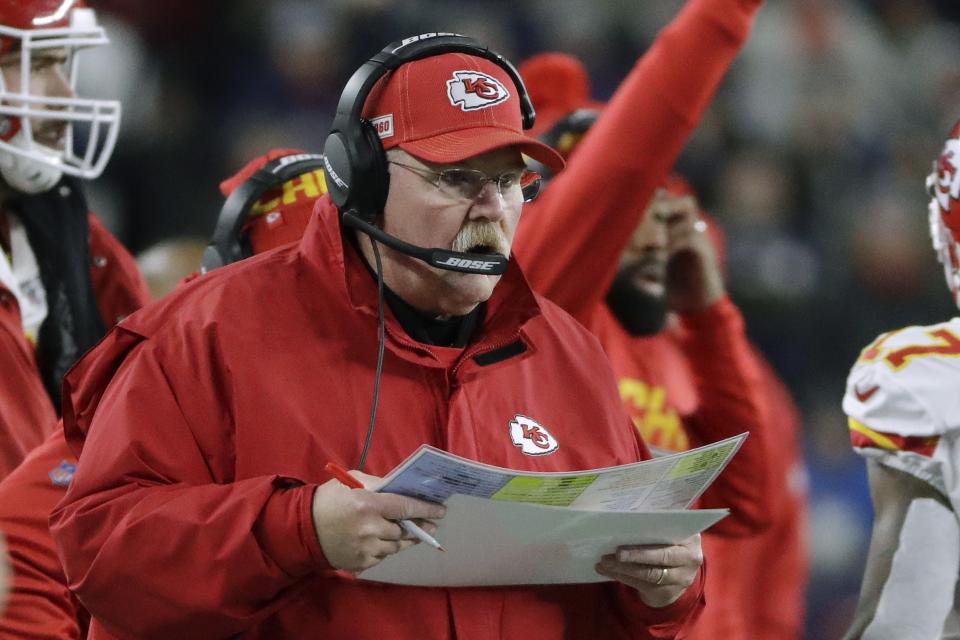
{"points": [[946, 343]]}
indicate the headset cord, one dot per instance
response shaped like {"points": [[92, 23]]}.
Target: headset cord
{"points": [[382, 337]]}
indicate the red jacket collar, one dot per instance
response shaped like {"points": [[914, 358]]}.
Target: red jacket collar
{"points": [[324, 249]]}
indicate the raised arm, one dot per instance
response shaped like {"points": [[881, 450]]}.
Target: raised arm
{"points": [[571, 237]]}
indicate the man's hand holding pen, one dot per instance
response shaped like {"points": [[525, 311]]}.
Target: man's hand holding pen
{"points": [[357, 529]]}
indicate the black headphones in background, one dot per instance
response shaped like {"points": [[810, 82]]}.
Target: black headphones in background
{"points": [[228, 243], [568, 129], [356, 164]]}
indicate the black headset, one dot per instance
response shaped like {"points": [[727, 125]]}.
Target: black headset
{"points": [[576, 123], [228, 243], [355, 162]]}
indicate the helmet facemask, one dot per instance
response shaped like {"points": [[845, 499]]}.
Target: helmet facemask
{"points": [[25, 163], [947, 251], [943, 185]]}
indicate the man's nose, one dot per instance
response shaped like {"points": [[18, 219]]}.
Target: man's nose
{"points": [[489, 204], [661, 237], [57, 83]]}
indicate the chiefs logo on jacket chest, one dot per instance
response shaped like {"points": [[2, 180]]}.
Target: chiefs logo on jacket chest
{"points": [[532, 437]]}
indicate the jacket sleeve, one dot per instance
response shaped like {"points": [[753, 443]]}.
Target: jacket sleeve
{"points": [[119, 286], [570, 240], [730, 387], [155, 536], [40, 606], [26, 413], [673, 621]]}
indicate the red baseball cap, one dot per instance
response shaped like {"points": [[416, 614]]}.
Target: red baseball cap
{"points": [[281, 214], [451, 107]]}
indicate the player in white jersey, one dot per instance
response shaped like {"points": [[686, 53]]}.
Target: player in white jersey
{"points": [[903, 406]]}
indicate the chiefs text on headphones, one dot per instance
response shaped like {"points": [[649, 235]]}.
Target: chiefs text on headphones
{"points": [[355, 162], [229, 244]]}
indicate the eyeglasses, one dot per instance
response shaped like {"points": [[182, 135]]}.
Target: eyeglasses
{"points": [[468, 183]]}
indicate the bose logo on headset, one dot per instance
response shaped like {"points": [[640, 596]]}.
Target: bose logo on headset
{"points": [[298, 157], [463, 263], [333, 174], [423, 36]]}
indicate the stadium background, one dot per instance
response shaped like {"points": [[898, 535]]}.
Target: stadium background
{"points": [[813, 157]]}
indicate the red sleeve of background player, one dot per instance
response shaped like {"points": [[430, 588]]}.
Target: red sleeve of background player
{"points": [[119, 286], [730, 389], [40, 606], [26, 413], [571, 238]]}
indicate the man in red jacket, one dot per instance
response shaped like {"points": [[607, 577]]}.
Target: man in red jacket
{"points": [[63, 278], [618, 158], [751, 602], [41, 607], [695, 379], [599, 245], [202, 508]]}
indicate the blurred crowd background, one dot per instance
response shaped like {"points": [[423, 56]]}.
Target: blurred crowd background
{"points": [[812, 157]]}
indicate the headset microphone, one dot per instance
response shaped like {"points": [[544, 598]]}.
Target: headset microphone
{"points": [[481, 263]]}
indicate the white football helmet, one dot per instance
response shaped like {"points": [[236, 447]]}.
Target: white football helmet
{"points": [[32, 27], [944, 187]]}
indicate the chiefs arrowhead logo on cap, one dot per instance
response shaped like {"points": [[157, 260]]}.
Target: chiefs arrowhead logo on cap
{"points": [[532, 437], [472, 90]]}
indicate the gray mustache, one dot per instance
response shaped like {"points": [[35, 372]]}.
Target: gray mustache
{"points": [[481, 234]]}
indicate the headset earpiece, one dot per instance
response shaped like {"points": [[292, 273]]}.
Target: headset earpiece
{"points": [[360, 160], [374, 198], [337, 165]]}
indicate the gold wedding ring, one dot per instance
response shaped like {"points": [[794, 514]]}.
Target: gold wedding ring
{"points": [[663, 574]]}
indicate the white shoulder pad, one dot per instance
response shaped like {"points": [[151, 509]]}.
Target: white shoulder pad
{"points": [[907, 382]]}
